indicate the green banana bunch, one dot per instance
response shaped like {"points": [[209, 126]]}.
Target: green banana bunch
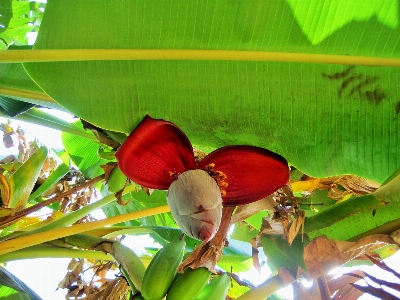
{"points": [[162, 269], [189, 284], [116, 181], [217, 289]]}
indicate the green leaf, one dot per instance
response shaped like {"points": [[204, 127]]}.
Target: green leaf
{"points": [[12, 107], [359, 222], [156, 196], [23, 180], [352, 217], [9, 280], [14, 76], [244, 232], [236, 257], [5, 14], [281, 254], [390, 190], [236, 290], [256, 219], [165, 235], [385, 13], [298, 109], [317, 202], [8, 293], [340, 211], [20, 8], [21, 22], [15, 83], [54, 177], [249, 228], [83, 152]]}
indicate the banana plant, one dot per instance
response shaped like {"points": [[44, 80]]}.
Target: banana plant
{"points": [[313, 82]]}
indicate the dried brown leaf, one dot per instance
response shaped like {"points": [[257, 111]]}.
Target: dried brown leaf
{"points": [[383, 266], [270, 226], [336, 194], [377, 292], [358, 186], [118, 196], [116, 290], [396, 236], [367, 244], [296, 225], [76, 266], [247, 210], [392, 285], [108, 167], [147, 190], [101, 135], [68, 280], [336, 284], [286, 276], [323, 254], [320, 256], [348, 292], [76, 290], [352, 184]]}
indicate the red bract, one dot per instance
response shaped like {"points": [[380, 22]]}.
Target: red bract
{"points": [[157, 153]]}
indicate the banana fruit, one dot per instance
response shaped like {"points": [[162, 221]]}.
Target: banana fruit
{"points": [[189, 284], [162, 269], [117, 180], [130, 262], [217, 289]]}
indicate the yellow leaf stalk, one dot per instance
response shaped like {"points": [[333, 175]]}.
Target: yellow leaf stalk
{"points": [[18, 56], [38, 238]]}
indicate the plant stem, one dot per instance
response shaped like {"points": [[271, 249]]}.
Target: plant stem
{"points": [[38, 238], [49, 251], [76, 215], [267, 288], [18, 56], [219, 239], [26, 211]]}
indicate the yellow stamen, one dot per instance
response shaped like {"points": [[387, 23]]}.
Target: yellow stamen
{"points": [[218, 176]]}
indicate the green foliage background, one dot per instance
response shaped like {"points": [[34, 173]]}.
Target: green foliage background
{"points": [[290, 108], [326, 119]]}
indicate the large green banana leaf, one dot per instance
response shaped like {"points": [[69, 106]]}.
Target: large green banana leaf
{"points": [[326, 119]]}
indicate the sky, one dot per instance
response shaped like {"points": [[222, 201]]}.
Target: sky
{"points": [[43, 275]]}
